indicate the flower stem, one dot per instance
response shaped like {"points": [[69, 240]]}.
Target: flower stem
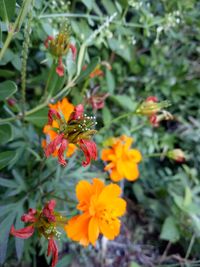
{"points": [[24, 60], [17, 25]]}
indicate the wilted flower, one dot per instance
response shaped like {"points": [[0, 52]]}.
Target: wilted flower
{"points": [[154, 110], [177, 155], [101, 206], [123, 161], [95, 99], [67, 125], [59, 46], [45, 221]]}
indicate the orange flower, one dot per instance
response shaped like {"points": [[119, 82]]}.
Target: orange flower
{"points": [[66, 109], [68, 128], [123, 160], [101, 206]]}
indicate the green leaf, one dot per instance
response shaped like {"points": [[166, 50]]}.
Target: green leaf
{"points": [[7, 89], [107, 117], [134, 264], [88, 3], [94, 62], [7, 9], [7, 183], [65, 261], [6, 158], [6, 133], [124, 101], [110, 81], [5, 232], [188, 197], [39, 118], [170, 230]]}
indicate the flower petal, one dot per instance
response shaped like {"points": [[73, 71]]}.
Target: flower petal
{"points": [[51, 147], [109, 192], [110, 230], [93, 231], [53, 249], [53, 114], [23, 233], [61, 151], [89, 149], [77, 228]]}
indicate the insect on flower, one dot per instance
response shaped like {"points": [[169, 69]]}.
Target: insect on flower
{"points": [[100, 207], [69, 128], [45, 221]]}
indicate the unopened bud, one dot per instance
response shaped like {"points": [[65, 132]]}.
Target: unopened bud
{"points": [[151, 106], [177, 155]]}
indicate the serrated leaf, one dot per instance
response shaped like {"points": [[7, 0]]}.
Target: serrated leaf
{"points": [[5, 133], [7, 89], [6, 158], [89, 69], [170, 230], [38, 118]]}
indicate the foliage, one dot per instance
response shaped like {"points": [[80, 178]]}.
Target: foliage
{"points": [[143, 48]]}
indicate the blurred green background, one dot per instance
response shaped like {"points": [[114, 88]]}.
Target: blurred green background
{"points": [[153, 49]]}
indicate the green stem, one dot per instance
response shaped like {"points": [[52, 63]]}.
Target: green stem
{"points": [[24, 60], [135, 129], [17, 25], [49, 79], [97, 18], [116, 120], [190, 246], [154, 155]]}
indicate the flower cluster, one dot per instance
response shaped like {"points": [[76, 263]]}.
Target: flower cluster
{"points": [[123, 161], [99, 215], [68, 128], [46, 222]]}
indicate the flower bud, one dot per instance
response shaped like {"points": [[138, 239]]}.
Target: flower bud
{"points": [[176, 154], [151, 106]]}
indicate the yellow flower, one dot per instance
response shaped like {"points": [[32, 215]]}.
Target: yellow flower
{"points": [[123, 161], [101, 206]]}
